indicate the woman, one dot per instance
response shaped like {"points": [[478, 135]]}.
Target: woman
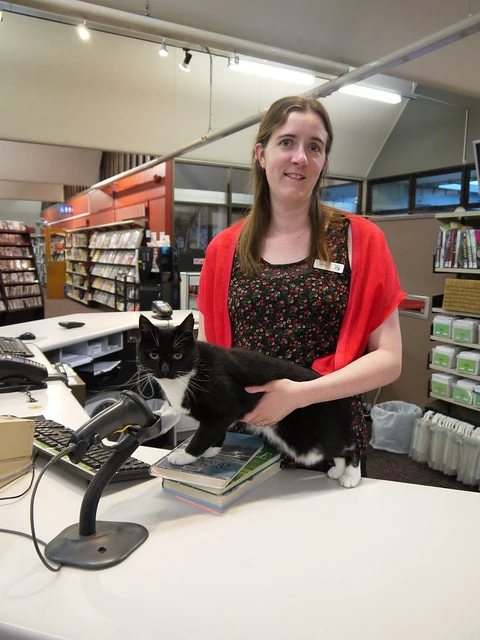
{"points": [[299, 280]]}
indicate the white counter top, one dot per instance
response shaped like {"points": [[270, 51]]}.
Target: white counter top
{"points": [[49, 335]]}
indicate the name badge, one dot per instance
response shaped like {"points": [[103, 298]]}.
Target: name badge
{"points": [[336, 267]]}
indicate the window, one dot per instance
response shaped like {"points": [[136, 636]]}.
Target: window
{"points": [[389, 195], [195, 225], [472, 188], [343, 194], [438, 190], [242, 187]]}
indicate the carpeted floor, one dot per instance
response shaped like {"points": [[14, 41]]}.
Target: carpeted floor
{"points": [[401, 468], [380, 464]]}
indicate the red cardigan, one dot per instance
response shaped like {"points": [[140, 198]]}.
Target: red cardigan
{"points": [[374, 291]]}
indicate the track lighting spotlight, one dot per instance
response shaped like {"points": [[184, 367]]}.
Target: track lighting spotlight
{"points": [[163, 49], [186, 61], [82, 31]]}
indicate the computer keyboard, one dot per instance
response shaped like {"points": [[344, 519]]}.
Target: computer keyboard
{"points": [[51, 437], [14, 347]]}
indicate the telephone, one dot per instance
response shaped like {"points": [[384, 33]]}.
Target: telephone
{"points": [[17, 373]]}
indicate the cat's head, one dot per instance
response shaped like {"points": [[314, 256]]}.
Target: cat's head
{"points": [[168, 352]]}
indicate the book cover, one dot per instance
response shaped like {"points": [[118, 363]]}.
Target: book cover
{"points": [[223, 500], [238, 449], [266, 456]]}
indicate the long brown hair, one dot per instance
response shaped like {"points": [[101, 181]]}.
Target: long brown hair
{"points": [[253, 233]]}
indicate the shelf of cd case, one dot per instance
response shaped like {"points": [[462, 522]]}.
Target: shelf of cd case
{"points": [[19, 280]]}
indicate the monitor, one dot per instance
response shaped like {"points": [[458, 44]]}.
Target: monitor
{"points": [[476, 155]]}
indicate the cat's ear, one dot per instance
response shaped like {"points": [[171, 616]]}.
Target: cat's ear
{"points": [[187, 324], [145, 325]]}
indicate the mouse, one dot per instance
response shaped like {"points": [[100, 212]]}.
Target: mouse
{"points": [[28, 335]]}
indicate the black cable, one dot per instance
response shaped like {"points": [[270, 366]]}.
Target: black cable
{"points": [[35, 540], [20, 495], [23, 534]]}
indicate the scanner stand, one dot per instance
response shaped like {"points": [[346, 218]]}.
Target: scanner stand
{"points": [[99, 545]]}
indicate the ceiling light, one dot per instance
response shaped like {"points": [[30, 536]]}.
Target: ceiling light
{"points": [[186, 61], [372, 94], [269, 71], [82, 31], [163, 49]]}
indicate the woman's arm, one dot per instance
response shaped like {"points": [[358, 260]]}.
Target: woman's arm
{"points": [[201, 327], [380, 366]]}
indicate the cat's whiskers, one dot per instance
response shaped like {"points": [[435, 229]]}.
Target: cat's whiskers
{"points": [[195, 385], [179, 342], [146, 385]]}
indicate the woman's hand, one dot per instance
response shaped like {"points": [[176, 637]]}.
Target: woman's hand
{"points": [[280, 398]]}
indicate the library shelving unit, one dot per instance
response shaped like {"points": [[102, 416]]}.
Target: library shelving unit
{"points": [[38, 244], [113, 255], [456, 254], [21, 298], [127, 293], [77, 266]]}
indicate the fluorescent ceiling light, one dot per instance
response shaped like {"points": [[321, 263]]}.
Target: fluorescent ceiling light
{"points": [[372, 94], [268, 71]]}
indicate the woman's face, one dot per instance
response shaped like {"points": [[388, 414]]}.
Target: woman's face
{"points": [[294, 157]]}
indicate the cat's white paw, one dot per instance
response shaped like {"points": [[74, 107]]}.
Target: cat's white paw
{"points": [[337, 470], [180, 458], [211, 452], [351, 477]]}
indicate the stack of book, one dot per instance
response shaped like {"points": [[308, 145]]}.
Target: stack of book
{"points": [[244, 462]]}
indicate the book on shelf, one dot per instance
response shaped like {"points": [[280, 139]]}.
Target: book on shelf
{"points": [[209, 498], [215, 472]]}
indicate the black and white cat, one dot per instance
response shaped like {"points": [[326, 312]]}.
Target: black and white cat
{"points": [[208, 383]]}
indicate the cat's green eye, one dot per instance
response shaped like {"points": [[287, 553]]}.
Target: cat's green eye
{"points": [[177, 355], [153, 355]]}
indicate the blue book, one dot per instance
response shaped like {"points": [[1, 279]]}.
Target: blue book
{"points": [[238, 449]]}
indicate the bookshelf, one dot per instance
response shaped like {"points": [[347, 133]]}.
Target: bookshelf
{"points": [[21, 298], [457, 239], [127, 293], [77, 266], [112, 255], [38, 245], [456, 254]]}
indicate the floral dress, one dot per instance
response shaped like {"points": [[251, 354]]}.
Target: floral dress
{"points": [[295, 311]]}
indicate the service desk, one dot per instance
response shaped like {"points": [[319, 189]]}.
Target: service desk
{"points": [[49, 335], [298, 558]]}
